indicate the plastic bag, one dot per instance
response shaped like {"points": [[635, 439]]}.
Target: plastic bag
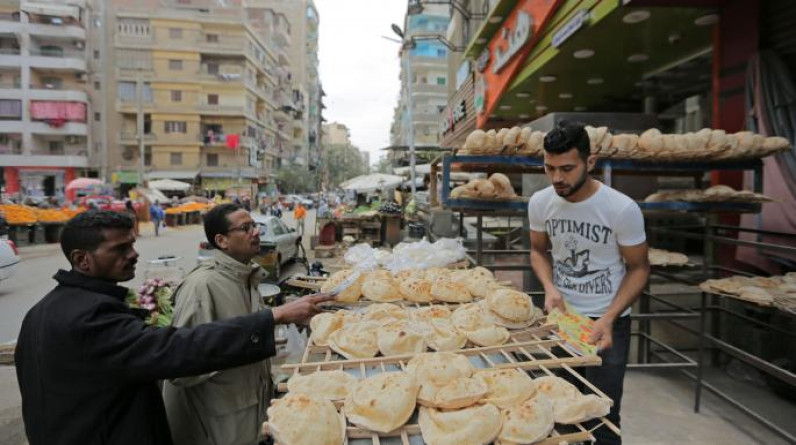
{"points": [[290, 353]]}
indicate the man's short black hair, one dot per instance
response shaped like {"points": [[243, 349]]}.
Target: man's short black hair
{"points": [[84, 230], [216, 221], [566, 136]]}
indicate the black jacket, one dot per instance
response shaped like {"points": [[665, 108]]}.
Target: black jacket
{"points": [[87, 364]]}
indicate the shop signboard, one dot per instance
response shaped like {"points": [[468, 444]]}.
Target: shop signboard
{"points": [[458, 119], [462, 72], [509, 47], [569, 28], [453, 117], [480, 94]]}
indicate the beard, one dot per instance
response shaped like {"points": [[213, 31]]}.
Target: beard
{"points": [[571, 190]]}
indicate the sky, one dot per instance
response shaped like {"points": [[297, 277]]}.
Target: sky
{"points": [[359, 69]]}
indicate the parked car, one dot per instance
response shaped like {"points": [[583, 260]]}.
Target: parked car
{"points": [[9, 255], [278, 245], [105, 202]]}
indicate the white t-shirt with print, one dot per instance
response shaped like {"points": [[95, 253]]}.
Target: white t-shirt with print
{"points": [[585, 238]]}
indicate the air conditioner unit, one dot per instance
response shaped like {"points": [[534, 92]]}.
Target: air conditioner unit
{"points": [[72, 140], [81, 77], [80, 44]]}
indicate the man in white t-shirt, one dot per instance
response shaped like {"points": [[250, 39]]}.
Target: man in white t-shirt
{"points": [[599, 254]]}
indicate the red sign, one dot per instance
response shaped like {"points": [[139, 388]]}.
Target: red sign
{"points": [[510, 46]]}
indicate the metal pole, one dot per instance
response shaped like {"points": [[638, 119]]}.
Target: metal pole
{"points": [[139, 118], [409, 103]]}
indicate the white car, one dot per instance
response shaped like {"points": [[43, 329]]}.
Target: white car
{"points": [[9, 258]]}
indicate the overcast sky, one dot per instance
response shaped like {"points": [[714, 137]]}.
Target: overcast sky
{"points": [[359, 69]]}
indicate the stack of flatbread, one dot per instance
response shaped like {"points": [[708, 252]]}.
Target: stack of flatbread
{"points": [[660, 257], [778, 290], [304, 419], [703, 145], [717, 193], [498, 186], [392, 330], [569, 405], [383, 402]]}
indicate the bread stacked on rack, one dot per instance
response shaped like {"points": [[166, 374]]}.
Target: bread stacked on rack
{"points": [[660, 257], [652, 145], [778, 290], [498, 186], [717, 193]]}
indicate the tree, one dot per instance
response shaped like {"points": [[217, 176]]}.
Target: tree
{"points": [[383, 165], [295, 179], [343, 162]]}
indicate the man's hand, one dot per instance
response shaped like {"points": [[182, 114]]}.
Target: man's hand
{"points": [[301, 310], [553, 300], [602, 334]]}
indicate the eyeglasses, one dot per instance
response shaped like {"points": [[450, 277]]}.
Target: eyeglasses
{"points": [[246, 228]]}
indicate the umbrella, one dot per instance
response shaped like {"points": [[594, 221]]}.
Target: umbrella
{"points": [[373, 181], [169, 184], [83, 183]]}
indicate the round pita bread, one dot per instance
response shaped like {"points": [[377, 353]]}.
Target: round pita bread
{"points": [[500, 321], [450, 292], [528, 422], [416, 289], [434, 273], [380, 286], [383, 402], [489, 336], [351, 293], [460, 393], [469, 317], [329, 385], [435, 370], [580, 409], [356, 340], [475, 140], [428, 313], [478, 425], [383, 313], [506, 387], [399, 338], [301, 419], [510, 304], [441, 335], [323, 325]]}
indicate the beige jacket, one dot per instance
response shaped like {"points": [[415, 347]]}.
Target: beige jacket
{"points": [[223, 407]]}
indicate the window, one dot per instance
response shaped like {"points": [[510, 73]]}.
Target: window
{"points": [[176, 95], [176, 159], [126, 91], [51, 51], [56, 147], [212, 68], [97, 117], [212, 160], [10, 109], [176, 126], [212, 99], [211, 38], [148, 156], [96, 54], [175, 65], [175, 33], [97, 85], [441, 53], [440, 81], [52, 83]]}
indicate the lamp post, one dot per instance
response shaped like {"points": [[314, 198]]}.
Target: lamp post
{"points": [[411, 139]]}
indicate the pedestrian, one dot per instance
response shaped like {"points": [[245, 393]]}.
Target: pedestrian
{"points": [[130, 210], [599, 255], [299, 213], [88, 365], [226, 407], [157, 214], [279, 208]]}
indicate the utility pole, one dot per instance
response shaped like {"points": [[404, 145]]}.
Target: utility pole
{"points": [[411, 138], [139, 118]]}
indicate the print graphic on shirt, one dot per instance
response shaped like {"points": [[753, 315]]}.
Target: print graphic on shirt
{"points": [[572, 272]]}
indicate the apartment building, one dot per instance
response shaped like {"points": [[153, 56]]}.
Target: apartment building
{"points": [[424, 72], [46, 96], [199, 90]]}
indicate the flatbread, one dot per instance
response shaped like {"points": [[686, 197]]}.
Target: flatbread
{"points": [[489, 336], [356, 340], [569, 405], [507, 387], [301, 419], [460, 393], [379, 286], [528, 422], [478, 425], [329, 385], [429, 313], [399, 338], [510, 304], [383, 402], [351, 293], [416, 289], [450, 292], [323, 325], [476, 326], [435, 370], [500, 321], [441, 335], [383, 313]]}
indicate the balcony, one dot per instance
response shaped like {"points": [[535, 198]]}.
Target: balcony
{"points": [[68, 129], [440, 62], [40, 92], [429, 88], [131, 106], [10, 160], [55, 60], [224, 46], [227, 110], [73, 31], [131, 137]]}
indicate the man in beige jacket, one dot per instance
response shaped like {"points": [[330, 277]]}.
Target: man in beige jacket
{"points": [[225, 407]]}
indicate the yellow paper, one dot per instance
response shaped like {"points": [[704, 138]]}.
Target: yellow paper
{"points": [[575, 329]]}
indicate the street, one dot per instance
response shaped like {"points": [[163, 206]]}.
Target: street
{"points": [[39, 263]]}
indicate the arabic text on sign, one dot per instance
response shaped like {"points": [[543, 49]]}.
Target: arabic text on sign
{"points": [[515, 39]]}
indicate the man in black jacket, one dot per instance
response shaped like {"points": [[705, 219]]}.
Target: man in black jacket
{"points": [[87, 364]]}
